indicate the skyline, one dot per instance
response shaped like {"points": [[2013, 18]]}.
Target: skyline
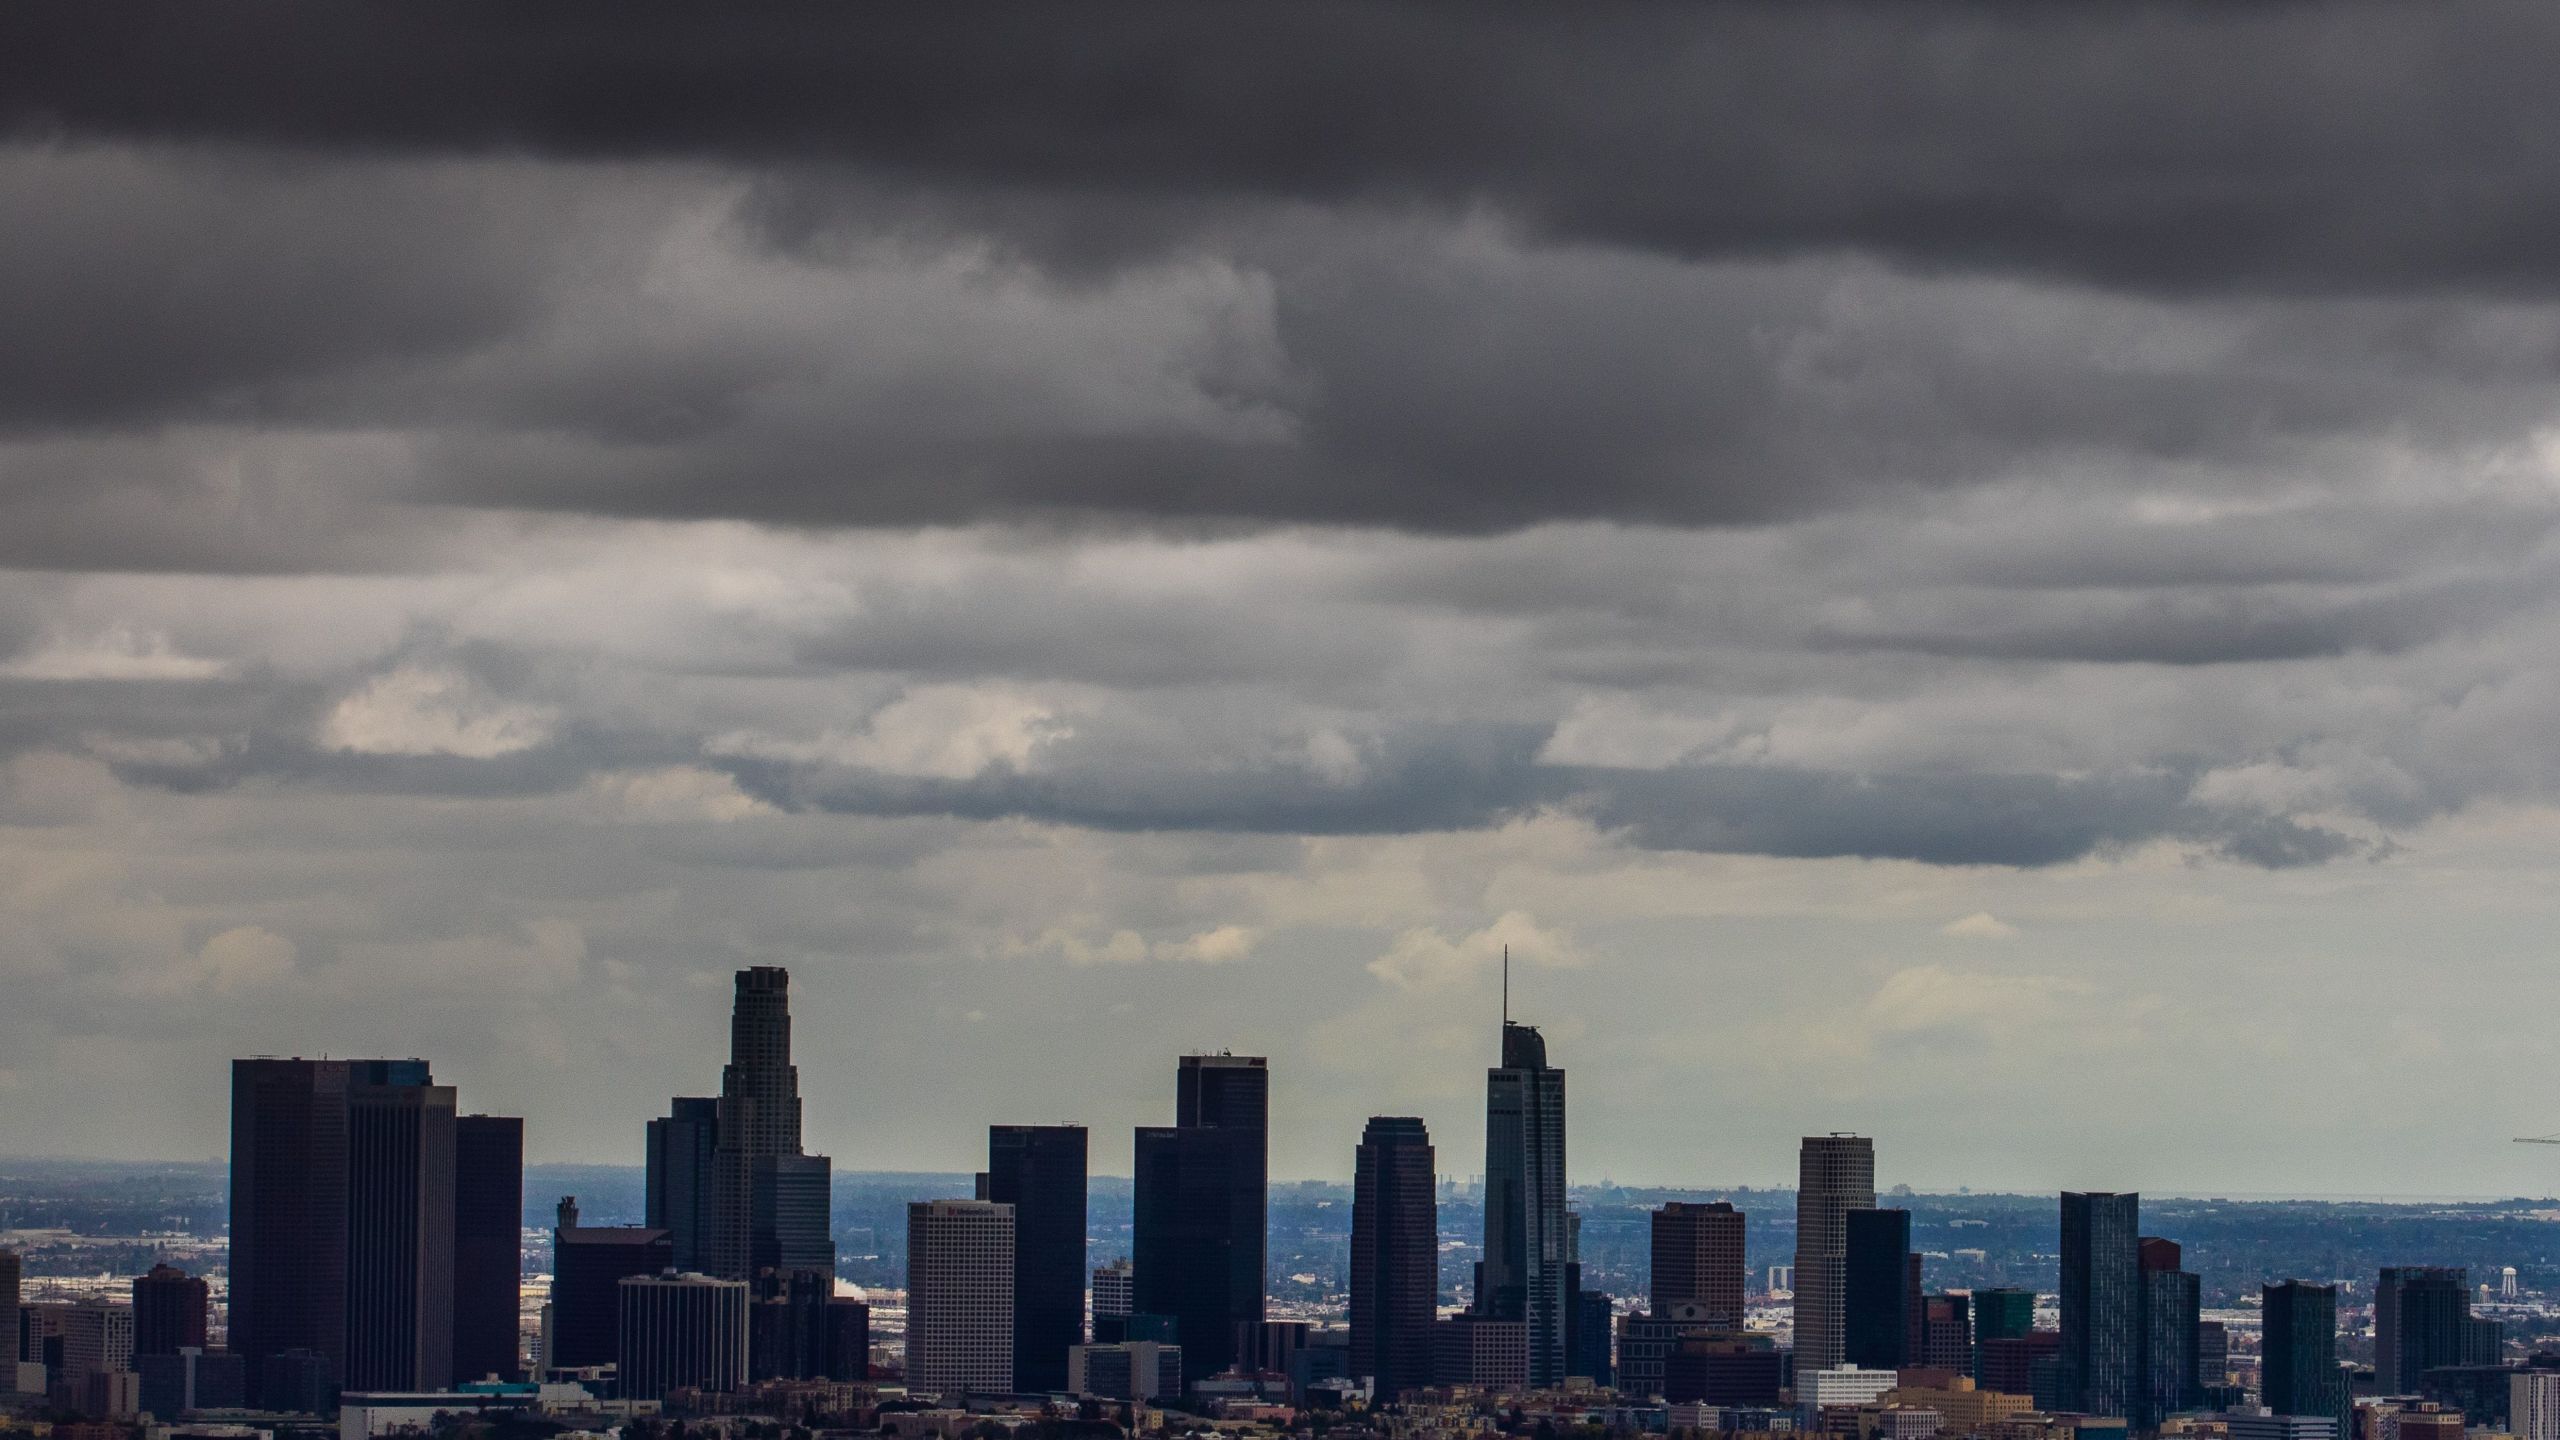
{"points": [[1476, 1178], [1985, 575]]}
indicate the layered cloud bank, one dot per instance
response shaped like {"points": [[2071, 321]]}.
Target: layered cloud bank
{"points": [[1885, 547]]}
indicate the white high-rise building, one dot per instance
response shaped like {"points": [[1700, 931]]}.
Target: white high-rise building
{"points": [[960, 1296], [1835, 1174], [2533, 1405]]}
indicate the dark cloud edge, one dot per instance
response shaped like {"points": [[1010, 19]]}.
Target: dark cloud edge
{"points": [[2156, 145]]}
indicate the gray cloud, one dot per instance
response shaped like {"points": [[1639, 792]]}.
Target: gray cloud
{"points": [[2165, 145]]}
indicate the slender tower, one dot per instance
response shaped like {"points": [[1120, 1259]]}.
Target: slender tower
{"points": [[1525, 1247], [1835, 1174], [1395, 1255]]}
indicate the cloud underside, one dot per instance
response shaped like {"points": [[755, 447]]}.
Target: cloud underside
{"points": [[1983, 435]]}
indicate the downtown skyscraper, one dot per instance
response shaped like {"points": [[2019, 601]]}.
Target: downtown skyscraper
{"points": [[2299, 1374], [1039, 1170], [1522, 1277], [770, 1203], [1835, 1174], [1879, 1290], [345, 1178], [1201, 1208], [1395, 1255], [1697, 1260], [2101, 1288], [683, 1145]]}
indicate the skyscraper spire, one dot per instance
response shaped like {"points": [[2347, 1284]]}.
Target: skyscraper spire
{"points": [[1525, 1250]]}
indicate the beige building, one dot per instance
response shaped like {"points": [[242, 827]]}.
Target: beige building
{"points": [[960, 1296]]}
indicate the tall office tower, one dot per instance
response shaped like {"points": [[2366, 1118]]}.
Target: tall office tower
{"points": [[588, 1265], [2299, 1372], [1946, 1334], [1114, 1296], [1039, 1170], [2421, 1319], [2533, 1405], [169, 1309], [678, 1330], [1835, 1174], [960, 1296], [768, 1200], [400, 1194], [488, 1247], [1201, 1208], [288, 1260], [2101, 1302], [1524, 1212], [1395, 1255], [12, 1271], [1697, 1260], [1875, 1289], [1586, 1341], [97, 1339], [2169, 1361], [681, 1145]]}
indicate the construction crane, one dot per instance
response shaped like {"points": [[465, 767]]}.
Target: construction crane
{"points": [[2538, 1139]]}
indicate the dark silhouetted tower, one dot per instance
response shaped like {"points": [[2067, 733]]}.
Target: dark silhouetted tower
{"points": [[2300, 1374], [1876, 1289], [2170, 1355], [2421, 1319], [488, 1247], [1200, 1209], [588, 1265], [681, 1145], [169, 1309], [1525, 1246], [769, 1201], [1395, 1255], [2101, 1302], [288, 1258], [1039, 1170], [1697, 1260]]}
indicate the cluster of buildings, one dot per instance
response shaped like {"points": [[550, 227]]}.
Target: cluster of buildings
{"points": [[375, 1262]]}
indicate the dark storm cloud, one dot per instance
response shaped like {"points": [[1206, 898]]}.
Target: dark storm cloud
{"points": [[2171, 145]]}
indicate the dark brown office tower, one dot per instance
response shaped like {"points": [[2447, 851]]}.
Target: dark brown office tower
{"points": [[289, 1218], [488, 1247], [1946, 1333], [848, 1340], [1697, 1260], [400, 1151], [168, 1312], [1395, 1255], [1039, 1170], [2009, 1361], [588, 1265]]}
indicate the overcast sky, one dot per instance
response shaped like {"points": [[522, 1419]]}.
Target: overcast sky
{"points": [[1980, 574]]}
